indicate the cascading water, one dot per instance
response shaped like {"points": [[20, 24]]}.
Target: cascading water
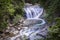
{"points": [[38, 28]]}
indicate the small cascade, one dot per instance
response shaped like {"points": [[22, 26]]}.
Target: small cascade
{"points": [[33, 11], [36, 28]]}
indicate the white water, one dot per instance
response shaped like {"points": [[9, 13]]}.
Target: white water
{"points": [[33, 13]]}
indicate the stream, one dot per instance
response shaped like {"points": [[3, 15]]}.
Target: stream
{"points": [[35, 26]]}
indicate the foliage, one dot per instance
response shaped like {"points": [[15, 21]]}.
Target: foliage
{"points": [[8, 10], [54, 31], [3, 13], [16, 18], [52, 9]]}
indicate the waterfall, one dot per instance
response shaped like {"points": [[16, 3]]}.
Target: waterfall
{"points": [[38, 29], [33, 11]]}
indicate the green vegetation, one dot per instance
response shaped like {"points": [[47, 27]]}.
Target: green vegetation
{"points": [[8, 10], [53, 18], [54, 33], [12, 9]]}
